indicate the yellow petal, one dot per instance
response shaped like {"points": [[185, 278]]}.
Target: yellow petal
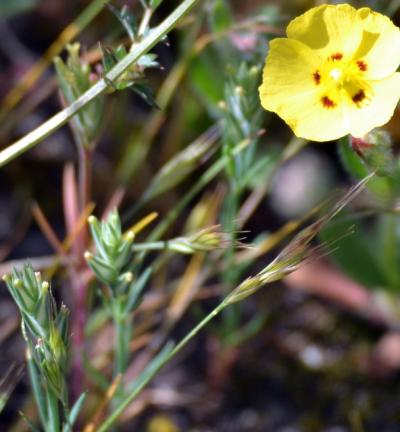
{"points": [[289, 89], [329, 29], [379, 48], [386, 93], [289, 70]]}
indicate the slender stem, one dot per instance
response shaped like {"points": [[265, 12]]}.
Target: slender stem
{"points": [[80, 287], [54, 123], [148, 13], [85, 165], [65, 404], [122, 328], [196, 329], [231, 317], [37, 388], [78, 336], [150, 246], [125, 403], [53, 424]]}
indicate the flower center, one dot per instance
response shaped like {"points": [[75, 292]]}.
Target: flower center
{"points": [[335, 74], [341, 80]]}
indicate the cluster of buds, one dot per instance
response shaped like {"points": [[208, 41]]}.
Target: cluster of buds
{"points": [[113, 250], [75, 78], [375, 149], [134, 77], [205, 240], [44, 328], [110, 263], [242, 118]]}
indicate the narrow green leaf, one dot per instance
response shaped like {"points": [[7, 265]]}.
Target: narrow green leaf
{"points": [[73, 415], [136, 289], [37, 387], [127, 19], [221, 17], [154, 4], [53, 424]]}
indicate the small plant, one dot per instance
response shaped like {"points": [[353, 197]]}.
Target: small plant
{"points": [[158, 199], [45, 330]]}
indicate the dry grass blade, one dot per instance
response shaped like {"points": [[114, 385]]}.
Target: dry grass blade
{"points": [[91, 426], [143, 223], [297, 252]]}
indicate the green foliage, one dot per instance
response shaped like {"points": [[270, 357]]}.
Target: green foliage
{"points": [[113, 251], [45, 330], [242, 118], [111, 264], [133, 78], [224, 175], [75, 78], [374, 267], [356, 167]]}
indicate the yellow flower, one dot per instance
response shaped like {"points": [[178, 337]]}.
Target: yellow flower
{"points": [[335, 73]]}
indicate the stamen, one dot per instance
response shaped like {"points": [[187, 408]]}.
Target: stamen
{"points": [[336, 56], [317, 77], [362, 65], [359, 97], [327, 102]]}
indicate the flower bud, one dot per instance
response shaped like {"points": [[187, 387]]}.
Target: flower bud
{"points": [[375, 149]]}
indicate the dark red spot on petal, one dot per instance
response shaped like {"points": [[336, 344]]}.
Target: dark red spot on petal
{"points": [[362, 65], [327, 102], [359, 97], [337, 56], [317, 77]]}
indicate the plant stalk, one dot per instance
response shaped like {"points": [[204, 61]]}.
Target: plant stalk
{"points": [[54, 123], [110, 421], [122, 328], [53, 424]]}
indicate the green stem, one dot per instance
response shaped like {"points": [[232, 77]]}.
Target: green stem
{"points": [[231, 317], [65, 404], [125, 403], [37, 388], [53, 424], [54, 123], [122, 328], [150, 246]]}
